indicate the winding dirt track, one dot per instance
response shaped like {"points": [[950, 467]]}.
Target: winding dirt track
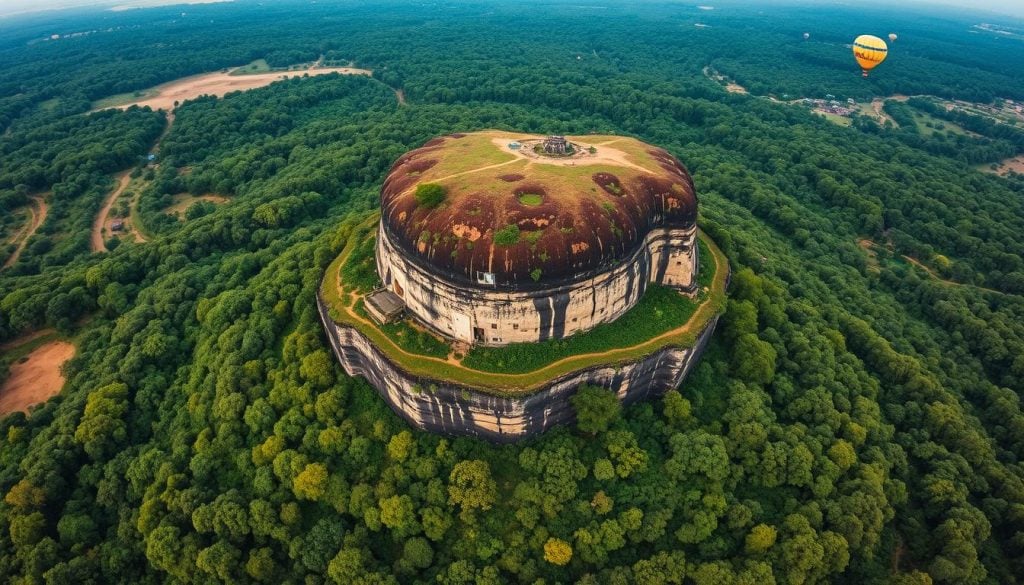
{"points": [[97, 243], [37, 217]]}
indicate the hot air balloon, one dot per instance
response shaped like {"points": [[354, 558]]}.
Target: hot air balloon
{"points": [[807, 36], [869, 51], [892, 37]]}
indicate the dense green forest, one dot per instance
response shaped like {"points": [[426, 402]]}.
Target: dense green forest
{"points": [[855, 420]]}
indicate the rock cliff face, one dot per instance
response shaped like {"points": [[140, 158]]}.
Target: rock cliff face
{"points": [[476, 314], [446, 408]]}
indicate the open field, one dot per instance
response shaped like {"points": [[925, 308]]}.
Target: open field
{"points": [[835, 118], [183, 201], [1004, 167], [168, 95], [123, 100], [36, 377], [927, 125], [257, 66]]}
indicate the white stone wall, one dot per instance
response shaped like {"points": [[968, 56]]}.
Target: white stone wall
{"points": [[477, 315]]}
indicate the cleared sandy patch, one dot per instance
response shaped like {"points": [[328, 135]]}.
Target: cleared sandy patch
{"points": [[1015, 164], [604, 155], [36, 379], [218, 84]]}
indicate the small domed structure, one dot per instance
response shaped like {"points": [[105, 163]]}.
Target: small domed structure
{"points": [[526, 238]]}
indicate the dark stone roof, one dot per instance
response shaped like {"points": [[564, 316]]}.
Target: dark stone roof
{"points": [[576, 215]]}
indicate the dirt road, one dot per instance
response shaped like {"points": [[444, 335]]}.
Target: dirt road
{"points": [[36, 219], [97, 243]]}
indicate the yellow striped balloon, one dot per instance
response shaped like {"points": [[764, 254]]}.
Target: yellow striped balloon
{"points": [[869, 51]]}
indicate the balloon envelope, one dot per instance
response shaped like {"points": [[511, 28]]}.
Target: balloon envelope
{"points": [[869, 51], [892, 37], [807, 36]]}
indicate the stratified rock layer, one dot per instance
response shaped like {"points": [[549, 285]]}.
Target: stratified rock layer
{"points": [[443, 407]]}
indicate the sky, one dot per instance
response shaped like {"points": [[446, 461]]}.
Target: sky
{"points": [[11, 7]]}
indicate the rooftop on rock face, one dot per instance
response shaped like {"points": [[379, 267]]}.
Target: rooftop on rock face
{"points": [[516, 216]]}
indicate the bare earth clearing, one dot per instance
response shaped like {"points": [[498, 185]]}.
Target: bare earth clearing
{"points": [[37, 217], [604, 155], [730, 85], [218, 84], [98, 225], [36, 379], [1015, 164], [184, 201]]}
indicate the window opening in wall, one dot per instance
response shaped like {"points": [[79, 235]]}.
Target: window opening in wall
{"points": [[478, 334], [398, 289], [494, 325], [515, 326]]}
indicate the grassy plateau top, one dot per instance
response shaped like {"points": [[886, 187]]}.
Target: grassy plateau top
{"points": [[493, 201]]}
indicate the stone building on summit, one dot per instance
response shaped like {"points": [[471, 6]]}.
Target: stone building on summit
{"points": [[492, 246], [544, 253]]}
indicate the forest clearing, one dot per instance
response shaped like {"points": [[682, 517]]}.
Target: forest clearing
{"points": [[185, 200], [167, 96], [35, 379], [1005, 167]]}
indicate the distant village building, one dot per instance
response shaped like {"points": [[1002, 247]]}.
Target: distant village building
{"points": [[556, 145], [117, 226]]}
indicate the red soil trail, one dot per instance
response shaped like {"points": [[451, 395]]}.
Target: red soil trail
{"points": [[97, 243]]}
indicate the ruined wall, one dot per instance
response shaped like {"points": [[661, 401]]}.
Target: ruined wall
{"points": [[441, 407], [493, 317]]}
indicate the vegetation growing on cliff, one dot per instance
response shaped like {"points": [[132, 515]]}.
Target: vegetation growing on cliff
{"points": [[871, 434]]}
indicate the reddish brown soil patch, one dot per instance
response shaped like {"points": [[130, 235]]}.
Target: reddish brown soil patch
{"points": [[511, 177], [418, 166], [36, 379]]}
